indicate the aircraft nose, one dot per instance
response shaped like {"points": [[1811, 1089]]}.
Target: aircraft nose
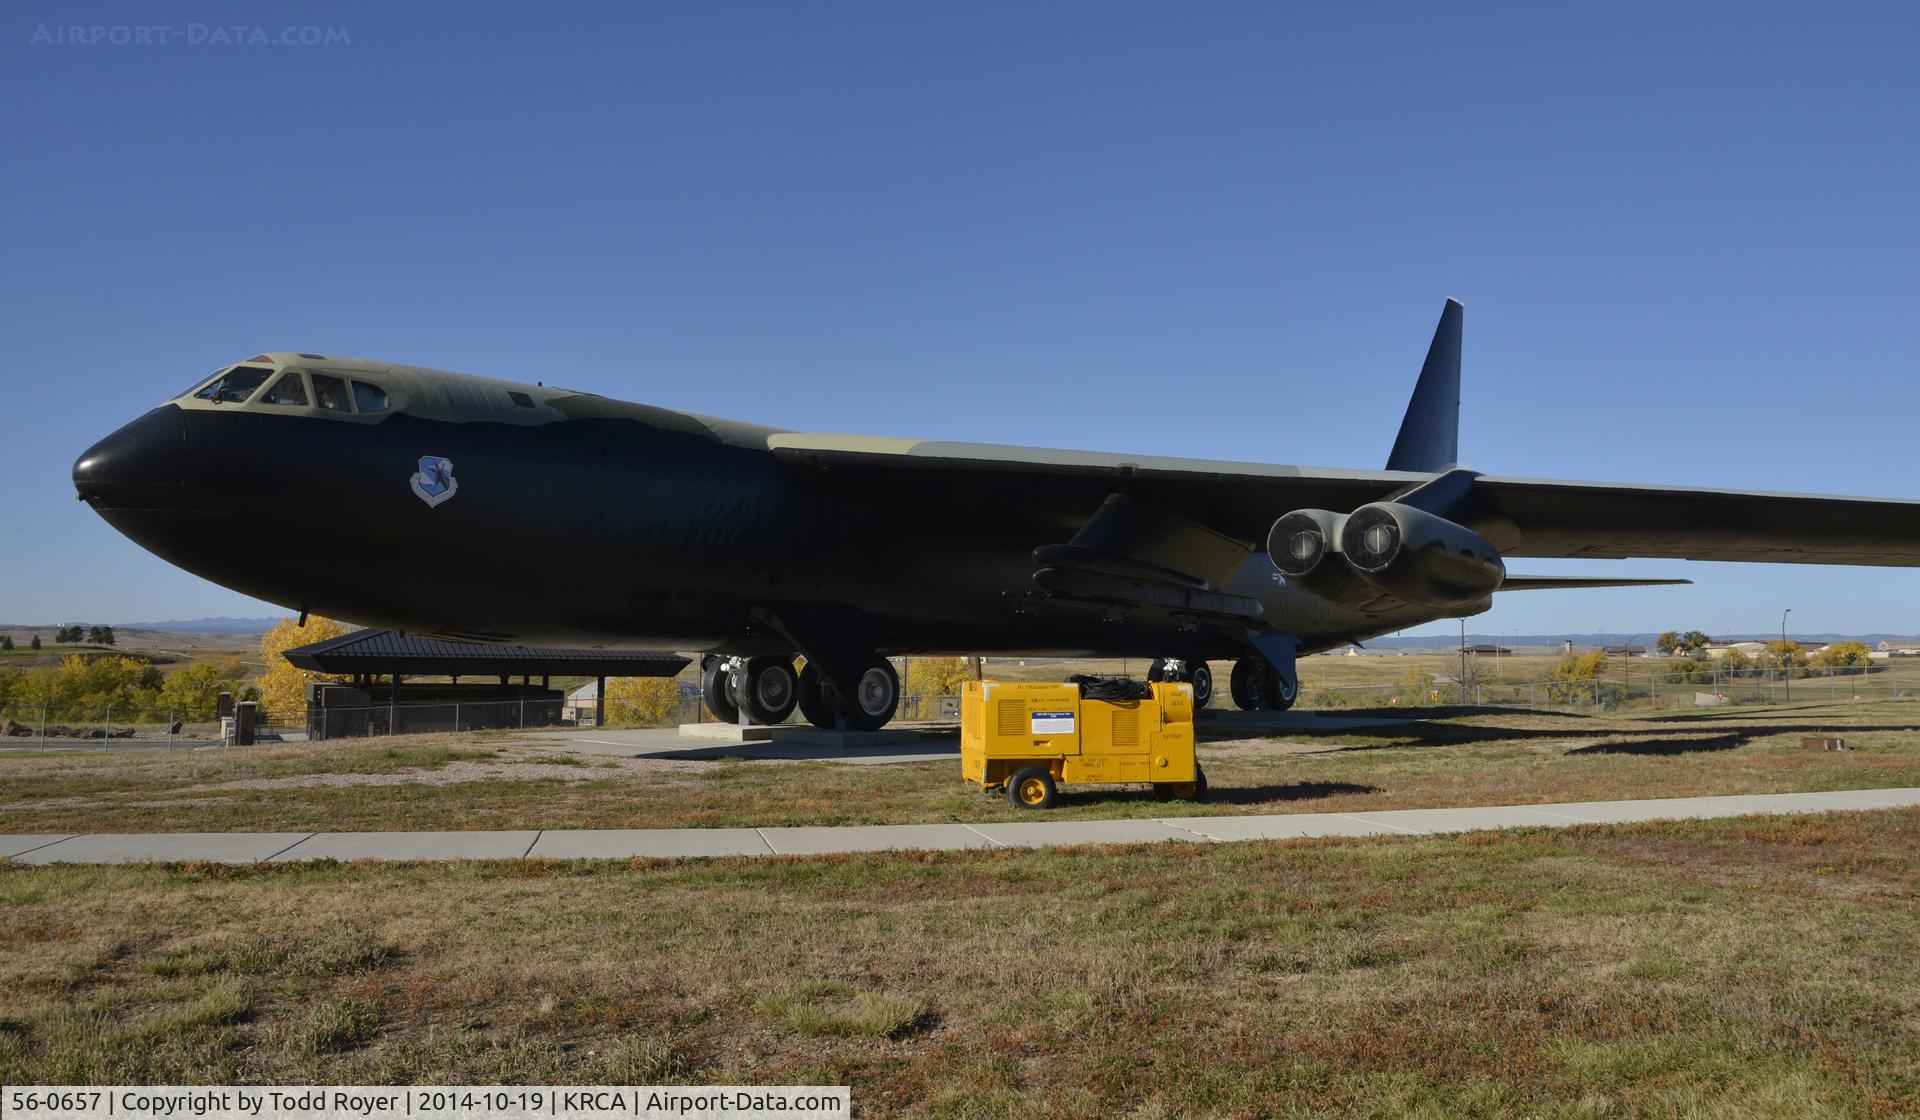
{"points": [[140, 466]]}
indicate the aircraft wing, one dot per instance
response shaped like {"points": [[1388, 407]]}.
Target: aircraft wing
{"points": [[1555, 519], [1617, 520]]}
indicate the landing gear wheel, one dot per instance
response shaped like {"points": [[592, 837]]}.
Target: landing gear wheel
{"points": [[1200, 675], [876, 696], [1195, 790], [771, 689], [814, 706], [1031, 788], [1241, 684], [1257, 687], [716, 690], [1280, 694]]}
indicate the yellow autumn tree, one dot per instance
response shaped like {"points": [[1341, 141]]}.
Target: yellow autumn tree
{"points": [[283, 688], [641, 701], [937, 676]]}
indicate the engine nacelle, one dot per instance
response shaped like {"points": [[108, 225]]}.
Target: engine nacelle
{"points": [[1419, 557], [1305, 546]]}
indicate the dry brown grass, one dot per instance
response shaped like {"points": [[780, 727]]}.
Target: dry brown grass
{"points": [[1712, 968], [495, 780]]}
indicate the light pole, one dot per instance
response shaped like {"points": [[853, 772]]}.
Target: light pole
{"points": [[1784, 672]]}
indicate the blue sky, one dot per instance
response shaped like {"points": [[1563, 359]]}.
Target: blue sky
{"points": [[1685, 236]]}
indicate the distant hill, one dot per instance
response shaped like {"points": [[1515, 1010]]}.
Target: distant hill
{"points": [[204, 625], [1592, 640]]}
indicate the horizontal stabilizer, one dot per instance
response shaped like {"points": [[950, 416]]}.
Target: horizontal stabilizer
{"points": [[1569, 583]]}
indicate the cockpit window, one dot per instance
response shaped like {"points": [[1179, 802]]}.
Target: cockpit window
{"points": [[330, 393], [235, 386], [369, 398], [199, 383], [289, 390]]}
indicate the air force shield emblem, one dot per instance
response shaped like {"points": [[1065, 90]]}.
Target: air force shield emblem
{"points": [[434, 483]]}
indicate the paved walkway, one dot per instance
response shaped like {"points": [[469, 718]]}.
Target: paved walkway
{"points": [[278, 847]]}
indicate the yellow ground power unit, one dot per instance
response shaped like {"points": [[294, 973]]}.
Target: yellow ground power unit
{"points": [[1030, 738]]}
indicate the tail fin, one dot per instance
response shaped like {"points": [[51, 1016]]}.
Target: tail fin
{"points": [[1430, 434]]}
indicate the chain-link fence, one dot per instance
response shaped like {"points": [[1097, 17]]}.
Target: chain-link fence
{"points": [[1649, 689], [40, 724], [28, 726]]}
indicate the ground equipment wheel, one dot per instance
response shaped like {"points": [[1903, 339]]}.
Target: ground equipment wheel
{"points": [[876, 696], [1200, 675], [716, 689], [1195, 790], [815, 708], [771, 689], [1157, 670], [1031, 788]]}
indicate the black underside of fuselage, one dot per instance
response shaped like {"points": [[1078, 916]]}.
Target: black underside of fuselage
{"points": [[609, 531]]}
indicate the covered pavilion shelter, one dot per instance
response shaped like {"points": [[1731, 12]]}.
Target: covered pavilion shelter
{"points": [[365, 704]]}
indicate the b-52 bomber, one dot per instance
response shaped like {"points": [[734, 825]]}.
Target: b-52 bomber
{"points": [[481, 510]]}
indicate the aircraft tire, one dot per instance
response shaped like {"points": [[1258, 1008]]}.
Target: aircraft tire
{"points": [[1279, 696], [1200, 675], [814, 705], [878, 698], [1241, 684], [716, 690], [771, 690], [1030, 787]]}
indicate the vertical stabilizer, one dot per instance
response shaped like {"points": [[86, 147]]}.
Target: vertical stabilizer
{"points": [[1429, 437]]}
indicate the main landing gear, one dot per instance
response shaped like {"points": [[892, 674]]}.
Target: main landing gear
{"points": [[766, 690], [1196, 673], [1257, 687]]}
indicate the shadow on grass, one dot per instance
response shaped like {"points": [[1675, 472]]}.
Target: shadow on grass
{"points": [[1439, 733], [1665, 746], [1220, 795]]}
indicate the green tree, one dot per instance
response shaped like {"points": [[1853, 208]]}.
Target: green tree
{"points": [[36, 643], [1695, 641], [1846, 655], [6, 641], [194, 692], [1668, 643], [99, 635], [1735, 660], [1686, 670], [67, 636]]}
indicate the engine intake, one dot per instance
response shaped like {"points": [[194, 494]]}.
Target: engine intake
{"points": [[1420, 557], [1305, 546]]}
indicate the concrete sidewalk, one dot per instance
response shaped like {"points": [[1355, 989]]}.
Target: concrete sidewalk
{"points": [[676, 843]]}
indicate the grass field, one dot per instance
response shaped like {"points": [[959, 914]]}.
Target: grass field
{"points": [[496, 780], [1727, 968]]}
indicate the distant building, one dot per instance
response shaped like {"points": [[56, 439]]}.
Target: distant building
{"points": [[1900, 647], [1717, 650], [1485, 650], [1630, 650]]}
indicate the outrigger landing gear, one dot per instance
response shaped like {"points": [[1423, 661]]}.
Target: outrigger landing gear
{"points": [[1196, 673]]}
